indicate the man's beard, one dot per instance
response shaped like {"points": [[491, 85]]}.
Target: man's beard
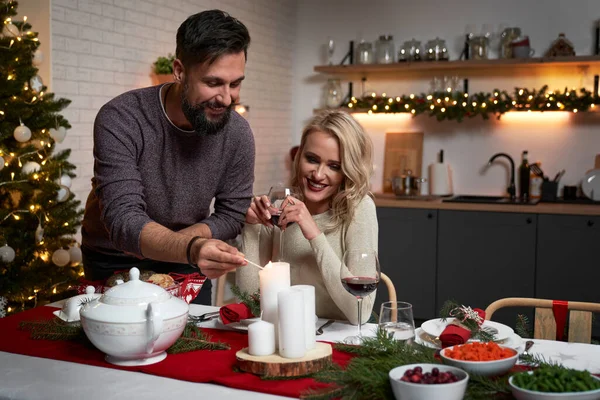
{"points": [[196, 115]]}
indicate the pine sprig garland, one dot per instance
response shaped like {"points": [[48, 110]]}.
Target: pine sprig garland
{"points": [[251, 300], [193, 339], [460, 105], [523, 327]]}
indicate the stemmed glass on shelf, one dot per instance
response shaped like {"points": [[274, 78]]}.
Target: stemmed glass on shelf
{"points": [[359, 274]]}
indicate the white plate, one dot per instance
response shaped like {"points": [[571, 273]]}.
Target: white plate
{"points": [[435, 327], [238, 326], [514, 341], [590, 185]]}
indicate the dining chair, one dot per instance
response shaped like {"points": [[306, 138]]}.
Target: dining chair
{"points": [[551, 315], [389, 285]]}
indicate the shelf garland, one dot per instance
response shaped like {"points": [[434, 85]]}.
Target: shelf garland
{"points": [[455, 105]]}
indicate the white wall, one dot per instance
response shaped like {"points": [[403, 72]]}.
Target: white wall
{"points": [[37, 13], [102, 48], [558, 140]]}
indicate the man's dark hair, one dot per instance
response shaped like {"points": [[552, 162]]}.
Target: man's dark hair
{"points": [[208, 35]]}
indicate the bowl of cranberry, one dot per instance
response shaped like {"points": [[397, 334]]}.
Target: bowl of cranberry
{"points": [[428, 381]]}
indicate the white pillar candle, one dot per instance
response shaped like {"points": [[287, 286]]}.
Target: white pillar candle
{"points": [[261, 338], [292, 342], [309, 314], [274, 277]]}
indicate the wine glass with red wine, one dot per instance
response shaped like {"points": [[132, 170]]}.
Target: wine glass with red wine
{"points": [[360, 274], [278, 197]]}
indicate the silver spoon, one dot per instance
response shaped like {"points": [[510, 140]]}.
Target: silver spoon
{"points": [[528, 345], [325, 325]]}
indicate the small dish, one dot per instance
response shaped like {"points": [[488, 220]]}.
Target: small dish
{"points": [[418, 391], [524, 394], [435, 327], [482, 368], [70, 310]]}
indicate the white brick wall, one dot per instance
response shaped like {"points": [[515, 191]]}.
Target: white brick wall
{"points": [[101, 48]]}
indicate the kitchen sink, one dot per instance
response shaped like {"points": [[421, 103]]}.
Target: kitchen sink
{"points": [[488, 200]]}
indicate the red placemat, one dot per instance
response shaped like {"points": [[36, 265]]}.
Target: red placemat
{"points": [[197, 366]]}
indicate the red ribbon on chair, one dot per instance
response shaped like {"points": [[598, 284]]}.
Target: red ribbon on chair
{"points": [[560, 309]]}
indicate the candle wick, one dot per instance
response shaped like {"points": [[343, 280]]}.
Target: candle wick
{"points": [[253, 263]]}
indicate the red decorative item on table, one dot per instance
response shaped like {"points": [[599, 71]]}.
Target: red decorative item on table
{"points": [[234, 313], [455, 333]]}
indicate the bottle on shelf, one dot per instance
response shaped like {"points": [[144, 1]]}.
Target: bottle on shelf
{"points": [[535, 184], [524, 174]]}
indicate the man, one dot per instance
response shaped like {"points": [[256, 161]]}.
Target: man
{"points": [[161, 154]]}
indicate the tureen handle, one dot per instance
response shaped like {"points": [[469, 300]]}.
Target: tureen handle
{"points": [[155, 325]]}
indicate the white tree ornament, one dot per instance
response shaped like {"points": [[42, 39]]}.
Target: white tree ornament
{"points": [[30, 167], [39, 234], [63, 194], [36, 83], [1, 163], [75, 255], [60, 257], [58, 134], [38, 57], [22, 133], [10, 30], [64, 180], [7, 254]]}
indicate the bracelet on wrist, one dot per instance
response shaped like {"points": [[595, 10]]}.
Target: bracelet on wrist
{"points": [[189, 251]]}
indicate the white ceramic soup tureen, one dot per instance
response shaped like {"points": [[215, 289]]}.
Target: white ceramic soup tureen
{"points": [[134, 322]]}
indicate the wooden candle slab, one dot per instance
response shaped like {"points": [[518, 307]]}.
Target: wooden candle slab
{"points": [[275, 365]]}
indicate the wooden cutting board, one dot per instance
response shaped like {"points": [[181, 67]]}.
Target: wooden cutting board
{"points": [[403, 150]]}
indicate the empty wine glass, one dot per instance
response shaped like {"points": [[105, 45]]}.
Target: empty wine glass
{"points": [[330, 50], [360, 274], [277, 197], [396, 318]]}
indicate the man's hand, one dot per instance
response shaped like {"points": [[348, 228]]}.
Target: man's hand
{"points": [[216, 258]]}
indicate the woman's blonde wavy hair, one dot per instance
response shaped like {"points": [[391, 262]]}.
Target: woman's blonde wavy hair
{"points": [[356, 153]]}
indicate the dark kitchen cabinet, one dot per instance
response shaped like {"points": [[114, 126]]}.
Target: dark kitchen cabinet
{"points": [[485, 256], [407, 254], [567, 259]]}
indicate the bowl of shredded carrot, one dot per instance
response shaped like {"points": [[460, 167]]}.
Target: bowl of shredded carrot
{"points": [[480, 358]]}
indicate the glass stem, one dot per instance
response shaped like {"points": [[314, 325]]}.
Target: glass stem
{"points": [[280, 244], [359, 301]]}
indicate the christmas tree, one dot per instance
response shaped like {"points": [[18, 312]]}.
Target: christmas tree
{"points": [[39, 258]]}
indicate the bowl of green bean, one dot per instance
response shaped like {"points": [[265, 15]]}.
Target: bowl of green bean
{"points": [[552, 382]]}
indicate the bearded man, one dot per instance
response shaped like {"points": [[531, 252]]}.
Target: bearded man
{"points": [[163, 153]]}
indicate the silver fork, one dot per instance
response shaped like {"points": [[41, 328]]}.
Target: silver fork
{"points": [[325, 325]]}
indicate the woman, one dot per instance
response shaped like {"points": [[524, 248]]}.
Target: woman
{"points": [[332, 168]]}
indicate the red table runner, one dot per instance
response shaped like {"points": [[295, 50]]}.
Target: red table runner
{"points": [[203, 366]]}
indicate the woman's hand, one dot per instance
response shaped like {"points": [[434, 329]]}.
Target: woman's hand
{"points": [[296, 211], [258, 213]]}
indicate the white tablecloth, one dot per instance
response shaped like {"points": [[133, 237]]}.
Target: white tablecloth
{"points": [[32, 378]]}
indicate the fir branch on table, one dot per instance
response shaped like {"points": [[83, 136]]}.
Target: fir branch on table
{"points": [[193, 339], [251, 300], [54, 329], [481, 387]]}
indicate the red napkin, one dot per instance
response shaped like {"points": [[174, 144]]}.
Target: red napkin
{"points": [[234, 313], [454, 334]]}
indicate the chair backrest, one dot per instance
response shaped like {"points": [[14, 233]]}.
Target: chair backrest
{"points": [[390, 286], [580, 317]]}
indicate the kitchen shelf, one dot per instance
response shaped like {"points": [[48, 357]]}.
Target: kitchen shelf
{"points": [[497, 65]]}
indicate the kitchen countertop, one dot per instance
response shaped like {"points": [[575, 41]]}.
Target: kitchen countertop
{"points": [[429, 202]]}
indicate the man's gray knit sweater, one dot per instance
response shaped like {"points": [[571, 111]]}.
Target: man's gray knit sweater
{"points": [[146, 169]]}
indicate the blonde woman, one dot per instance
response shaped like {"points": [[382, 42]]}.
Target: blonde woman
{"points": [[336, 213]]}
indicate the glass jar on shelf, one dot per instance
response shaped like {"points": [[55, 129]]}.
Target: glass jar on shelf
{"points": [[410, 50], [333, 93], [506, 37], [436, 50], [478, 48], [385, 50], [364, 53]]}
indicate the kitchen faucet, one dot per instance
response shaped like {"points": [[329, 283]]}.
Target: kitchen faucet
{"points": [[511, 187]]}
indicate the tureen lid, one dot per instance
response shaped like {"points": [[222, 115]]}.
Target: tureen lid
{"points": [[135, 291]]}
